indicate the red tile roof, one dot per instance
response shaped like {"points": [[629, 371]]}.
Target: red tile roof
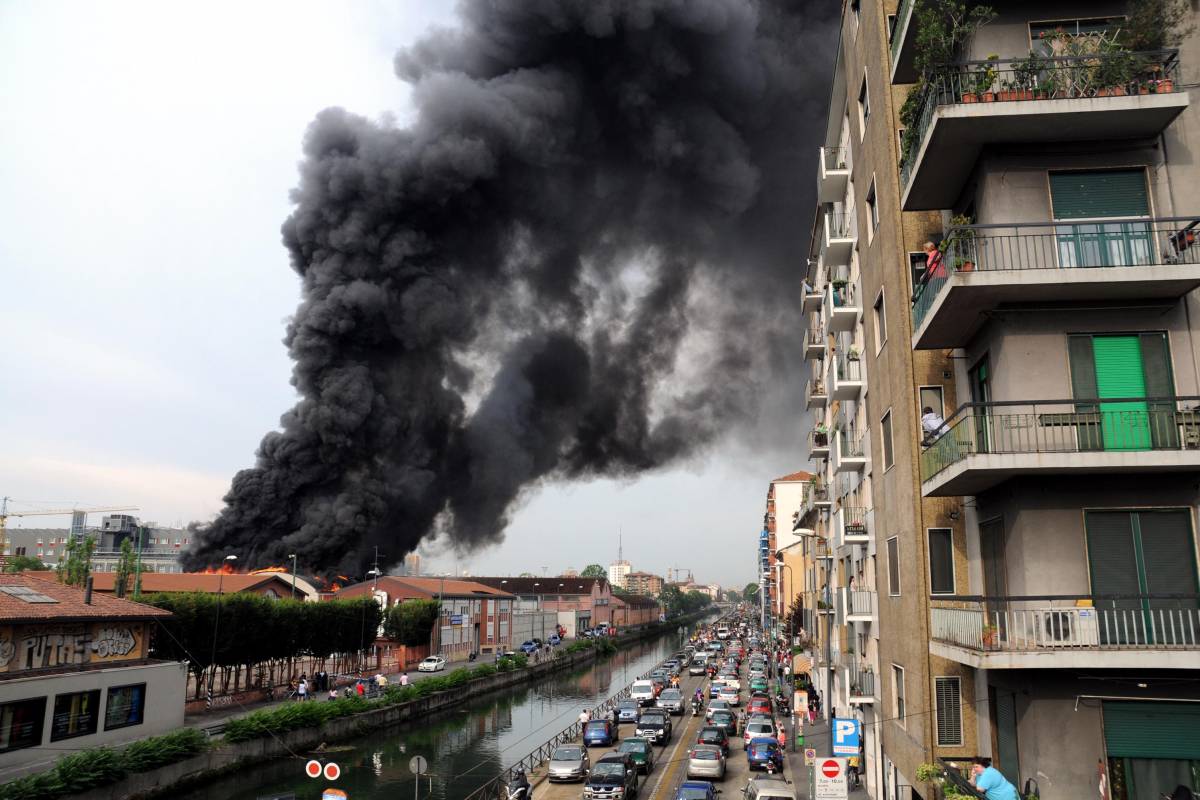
{"points": [[68, 605], [570, 586], [422, 587], [184, 581], [794, 477]]}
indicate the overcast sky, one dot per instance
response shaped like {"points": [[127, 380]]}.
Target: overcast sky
{"points": [[146, 153]]}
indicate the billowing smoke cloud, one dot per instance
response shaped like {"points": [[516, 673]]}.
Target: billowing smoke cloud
{"points": [[582, 259]]}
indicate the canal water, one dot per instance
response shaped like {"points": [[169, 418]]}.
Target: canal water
{"points": [[465, 746]]}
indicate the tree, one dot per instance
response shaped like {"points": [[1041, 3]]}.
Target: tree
{"points": [[22, 563], [126, 566], [750, 593], [594, 571], [411, 622], [732, 596], [76, 565], [1156, 24]]}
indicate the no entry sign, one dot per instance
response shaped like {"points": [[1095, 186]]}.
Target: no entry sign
{"points": [[830, 779]]}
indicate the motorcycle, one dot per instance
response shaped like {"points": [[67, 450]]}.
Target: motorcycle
{"points": [[519, 791], [697, 707]]}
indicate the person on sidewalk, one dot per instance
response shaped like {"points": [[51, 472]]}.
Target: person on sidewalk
{"points": [[991, 781], [404, 679], [332, 693], [302, 689]]}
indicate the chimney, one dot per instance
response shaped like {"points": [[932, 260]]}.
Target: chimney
{"points": [[87, 591]]}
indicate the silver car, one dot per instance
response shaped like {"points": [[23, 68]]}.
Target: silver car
{"points": [[706, 761], [671, 701], [569, 763]]}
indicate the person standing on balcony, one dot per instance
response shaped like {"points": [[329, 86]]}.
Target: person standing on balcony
{"points": [[991, 782], [935, 267], [932, 424]]}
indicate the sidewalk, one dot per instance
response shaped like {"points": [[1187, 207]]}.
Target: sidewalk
{"points": [[816, 736]]}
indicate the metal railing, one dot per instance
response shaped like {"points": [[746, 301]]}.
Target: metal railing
{"points": [[1036, 77], [1068, 622], [1065, 426], [835, 158], [903, 13], [854, 521], [842, 294], [862, 683], [1060, 245], [850, 443], [848, 369], [815, 337], [814, 388], [860, 602], [839, 224]]}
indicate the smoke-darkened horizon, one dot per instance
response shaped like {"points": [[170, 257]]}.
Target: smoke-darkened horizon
{"points": [[581, 260]]}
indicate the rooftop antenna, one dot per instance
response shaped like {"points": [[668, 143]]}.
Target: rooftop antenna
{"points": [[620, 547]]}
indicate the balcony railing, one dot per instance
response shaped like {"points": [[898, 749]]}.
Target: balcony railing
{"points": [[897, 39], [860, 602], [818, 440], [843, 295], [848, 369], [854, 521], [1065, 426], [834, 158], [839, 224], [1039, 78], [850, 441], [815, 392], [1061, 245], [862, 683], [815, 337], [1059, 622]]}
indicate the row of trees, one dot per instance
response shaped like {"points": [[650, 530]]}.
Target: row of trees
{"points": [[258, 639]]}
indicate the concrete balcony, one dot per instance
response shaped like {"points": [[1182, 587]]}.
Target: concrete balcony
{"points": [[811, 300], [818, 445], [990, 267], [1067, 631], [848, 455], [833, 174], [904, 44], [998, 102], [851, 525], [845, 377], [860, 605], [983, 445], [814, 343], [842, 306], [815, 394], [862, 686], [839, 237]]}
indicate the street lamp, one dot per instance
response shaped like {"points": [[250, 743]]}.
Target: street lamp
{"points": [[362, 632], [292, 556], [212, 662]]}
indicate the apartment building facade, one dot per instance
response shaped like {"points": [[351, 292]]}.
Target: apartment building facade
{"points": [[1036, 551]]}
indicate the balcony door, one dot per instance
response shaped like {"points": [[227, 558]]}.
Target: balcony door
{"points": [[1144, 557], [1118, 195], [1127, 368]]}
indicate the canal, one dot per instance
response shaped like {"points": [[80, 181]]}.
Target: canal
{"points": [[464, 746]]}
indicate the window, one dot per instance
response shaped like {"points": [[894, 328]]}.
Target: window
{"points": [[21, 724], [1131, 366], [880, 322], [864, 108], [872, 212], [898, 695], [75, 714], [941, 561], [1040, 32], [126, 705], [893, 553], [949, 711], [933, 397], [1102, 194], [885, 425], [891, 27]]}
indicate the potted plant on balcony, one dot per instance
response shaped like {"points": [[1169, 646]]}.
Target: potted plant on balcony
{"points": [[991, 635], [852, 354], [821, 435], [1025, 76], [959, 245], [985, 79], [1115, 71]]}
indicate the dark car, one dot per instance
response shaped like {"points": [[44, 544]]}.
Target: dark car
{"points": [[613, 777], [696, 790], [641, 751], [599, 732], [655, 726], [725, 719], [711, 734], [765, 754]]}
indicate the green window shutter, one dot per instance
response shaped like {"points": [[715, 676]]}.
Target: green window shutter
{"points": [[1168, 554], [1152, 730], [1100, 194], [1006, 735], [1156, 361], [1083, 387], [1111, 554], [1119, 373]]}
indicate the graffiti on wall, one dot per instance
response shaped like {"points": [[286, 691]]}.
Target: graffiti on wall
{"points": [[67, 645]]}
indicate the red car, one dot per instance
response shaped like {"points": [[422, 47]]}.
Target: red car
{"points": [[759, 706]]}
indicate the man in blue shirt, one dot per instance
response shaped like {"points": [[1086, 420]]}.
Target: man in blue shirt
{"points": [[988, 780]]}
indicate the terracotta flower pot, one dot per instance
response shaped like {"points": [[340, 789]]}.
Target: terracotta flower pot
{"points": [[989, 97], [970, 97], [967, 266], [1165, 86]]}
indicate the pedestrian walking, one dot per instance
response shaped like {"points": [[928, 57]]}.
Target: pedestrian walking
{"points": [[302, 689]]}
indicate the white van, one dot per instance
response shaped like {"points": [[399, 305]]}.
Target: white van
{"points": [[722, 632], [643, 692], [768, 789]]}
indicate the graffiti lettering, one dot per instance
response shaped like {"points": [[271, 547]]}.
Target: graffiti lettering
{"points": [[7, 651], [113, 642], [54, 646]]}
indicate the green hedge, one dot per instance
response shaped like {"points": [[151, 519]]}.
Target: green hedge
{"points": [[99, 766]]}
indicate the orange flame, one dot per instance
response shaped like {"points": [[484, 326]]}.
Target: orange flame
{"points": [[224, 569], [335, 587], [268, 570]]}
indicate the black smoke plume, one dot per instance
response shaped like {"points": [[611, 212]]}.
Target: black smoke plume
{"points": [[581, 259]]}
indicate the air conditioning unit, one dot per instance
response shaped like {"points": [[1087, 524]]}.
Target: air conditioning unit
{"points": [[1076, 627]]}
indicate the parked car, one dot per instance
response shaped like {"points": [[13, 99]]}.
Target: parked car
{"points": [[671, 701], [641, 751], [627, 711], [711, 734], [764, 754], [655, 726], [696, 790], [613, 777], [528, 647], [706, 761], [600, 732], [432, 664], [569, 762], [555, 640]]}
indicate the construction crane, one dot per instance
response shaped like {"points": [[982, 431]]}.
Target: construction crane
{"points": [[46, 512]]}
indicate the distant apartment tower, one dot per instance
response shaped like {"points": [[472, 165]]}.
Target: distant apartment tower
{"points": [[644, 583], [618, 572], [412, 565]]}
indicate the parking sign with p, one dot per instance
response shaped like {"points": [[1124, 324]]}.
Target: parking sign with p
{"points": [[846, 737]]}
